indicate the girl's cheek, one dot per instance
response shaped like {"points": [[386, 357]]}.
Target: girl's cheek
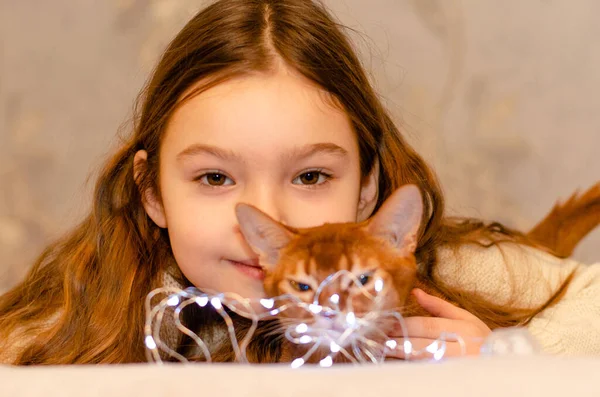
{"points": [[196, 225]]}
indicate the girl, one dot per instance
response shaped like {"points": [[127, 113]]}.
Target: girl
{"points": [[265, 102]]}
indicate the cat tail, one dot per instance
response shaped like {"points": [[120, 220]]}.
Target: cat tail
{"points": [[568, 223]]}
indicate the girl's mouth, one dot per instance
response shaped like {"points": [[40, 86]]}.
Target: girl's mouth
{"points": [[250, 269]]}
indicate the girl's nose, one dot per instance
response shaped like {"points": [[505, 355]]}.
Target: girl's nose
{"points": [[267, 201]]}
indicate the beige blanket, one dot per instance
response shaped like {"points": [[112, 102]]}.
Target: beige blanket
{"points": [[499, 376]]}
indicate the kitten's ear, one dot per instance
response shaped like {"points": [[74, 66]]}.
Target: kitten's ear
{"points": [[265, 235], [399, 218]]}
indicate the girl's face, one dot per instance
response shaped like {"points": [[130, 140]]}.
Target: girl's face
{"points": [[272, 141]]}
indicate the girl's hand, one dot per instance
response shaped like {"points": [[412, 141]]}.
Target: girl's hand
{"points": [[422, 331]]}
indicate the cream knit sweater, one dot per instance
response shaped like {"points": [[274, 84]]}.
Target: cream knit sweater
{"points": [[513, 274], [527, 277]]}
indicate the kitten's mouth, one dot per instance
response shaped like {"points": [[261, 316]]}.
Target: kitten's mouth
{"points": [[250, 268]]}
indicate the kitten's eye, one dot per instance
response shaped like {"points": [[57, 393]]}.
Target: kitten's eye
{"points": [[363, 279], [311, 178], [215, 179], [300, 286]]}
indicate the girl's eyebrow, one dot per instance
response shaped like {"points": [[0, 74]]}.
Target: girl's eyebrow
{"points": [[198, 148], [306, 151], [297, 153]]}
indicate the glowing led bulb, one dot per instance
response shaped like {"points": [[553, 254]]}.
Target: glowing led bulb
{"points": [[150, 342], [202, 301], [267, 303], [316, 309], [433, 347], [351, 319], [439, 354], [304, 339], [173, 301], [334, 347], [216, 302], [297, 363], [301, 328], [391, 344], [407, 347], [378, 285], [326, 362], [335, 299]]}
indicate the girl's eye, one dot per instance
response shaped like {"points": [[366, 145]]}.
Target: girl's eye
{"points": [[300, 286], [311, 178], [215, 179], [363, 279]]}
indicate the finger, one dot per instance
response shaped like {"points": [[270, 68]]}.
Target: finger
{"points": [[430, 327], [440, 308], [419, 350]]}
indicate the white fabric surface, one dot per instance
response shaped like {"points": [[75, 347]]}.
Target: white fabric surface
{"points": [[499, 376]]}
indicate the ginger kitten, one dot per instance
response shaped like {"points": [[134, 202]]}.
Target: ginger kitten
{"points": [[376, 259]]}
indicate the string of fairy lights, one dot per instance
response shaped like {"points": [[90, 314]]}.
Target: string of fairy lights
{"points": [[323, 333]]}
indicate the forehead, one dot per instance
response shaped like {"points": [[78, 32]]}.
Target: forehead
{"points": [[259, 113], [334, 246]]}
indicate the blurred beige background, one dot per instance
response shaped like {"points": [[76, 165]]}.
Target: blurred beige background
{"points": [[501, 96]]}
